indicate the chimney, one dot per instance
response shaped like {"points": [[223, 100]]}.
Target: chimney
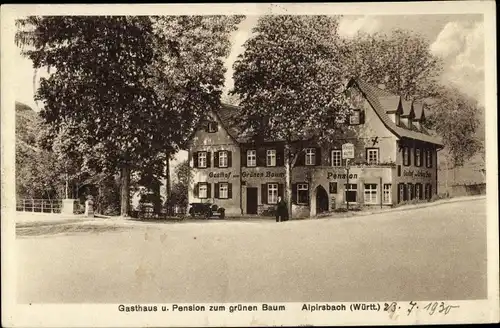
{"points": [[381, 86]]}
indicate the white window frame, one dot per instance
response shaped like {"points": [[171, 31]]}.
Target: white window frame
{"points": [[271, 157], [310, 154], [205, 185], [387, 193], [223, 190], [369, 153], [272, 193], [223, 158], [302, 187], [428, 159], [355, 114], [350, 188], [418, 157], [370, 194], [251, 158], [418, 194], [401, 191], [406, 156], [202, 159], [410, 191], [334, 153]]}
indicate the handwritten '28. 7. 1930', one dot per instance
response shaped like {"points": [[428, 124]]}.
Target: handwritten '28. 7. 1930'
{"points": [[431, 307]]}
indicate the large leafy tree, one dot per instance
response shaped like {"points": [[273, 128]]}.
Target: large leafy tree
{"points": [[128, 89], [290, 83], [401, 60]]}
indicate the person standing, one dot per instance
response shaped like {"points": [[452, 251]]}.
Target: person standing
{"points": [[281, 210]]}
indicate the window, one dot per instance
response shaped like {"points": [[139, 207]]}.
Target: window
{"points": [[310, 156], [399, 170], [406, 156], [370, 193], [202, 159], [410, 191], [402, 194], [387, 197], [418, 191], [202, 190], [212, 127], [418, 157], [271, 157], [372, 155], [272, 193], [223, 159], [351, 192], [336, 157], [428, 160], [302, 193], [398, 120], [251, 158], [428, 191], [355, 118], [223, 190]]}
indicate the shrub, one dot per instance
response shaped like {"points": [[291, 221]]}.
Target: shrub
{"points": [[340, 210]]}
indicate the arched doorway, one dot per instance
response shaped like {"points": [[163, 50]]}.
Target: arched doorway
{"points": [[321, 200]]}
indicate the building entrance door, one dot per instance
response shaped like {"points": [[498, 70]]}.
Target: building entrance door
{"points": [[321, 200], [252, 200]]}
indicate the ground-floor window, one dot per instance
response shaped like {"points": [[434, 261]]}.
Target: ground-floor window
{"points": [[402, 194], [428, 191], [202, 190], [333, 187], [418, 191], [351, 192], [410, 191], [223, 190], [387, 197], [272, 193], [302, 193], [370, 193]]}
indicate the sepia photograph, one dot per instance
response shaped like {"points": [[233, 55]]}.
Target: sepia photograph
{"points": [[269, 164]]}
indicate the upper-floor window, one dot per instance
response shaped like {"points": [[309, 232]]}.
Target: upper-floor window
{"points": [[406, 156], [251, 158], [223, 158], [398, 119], [302, 193], [202, 159], [336, 158], [271, 157], [418, 157], [355, 118], [428, 159], [310, 156], [372, 155], [212, 127]]}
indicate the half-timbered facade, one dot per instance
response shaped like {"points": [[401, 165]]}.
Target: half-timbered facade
{"points": [[394, 161]]}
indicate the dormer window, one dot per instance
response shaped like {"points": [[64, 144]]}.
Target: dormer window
{"points": [[398, 119], [356, 118], [212, 127]]}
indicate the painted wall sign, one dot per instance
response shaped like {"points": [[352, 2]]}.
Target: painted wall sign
{"points": [[224, 175], [267, 174], [417, 174], [340, 176]]}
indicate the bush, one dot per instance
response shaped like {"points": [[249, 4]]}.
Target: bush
{"points": [[269, 212], [340, 210], [443, 195]]}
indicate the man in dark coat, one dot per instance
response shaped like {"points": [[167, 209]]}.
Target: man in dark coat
{"points": [[281, 210]]}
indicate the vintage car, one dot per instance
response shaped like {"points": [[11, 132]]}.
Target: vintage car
{"points": [[206, 210]]}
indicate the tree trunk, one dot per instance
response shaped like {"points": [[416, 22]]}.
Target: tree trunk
{"points": [[125, 191], [288, 180], [168, 185]]}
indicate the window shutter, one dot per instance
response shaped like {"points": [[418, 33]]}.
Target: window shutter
{"points": [[196, 189], [399, 170], [229, 190], [280, 157], [301, 159], [209, 158], [216, 126], [216, 190], [294, 193], [229, 158], [261, 157], [329, 157], [216, 159], [318, 156], [209, 190], [399, 192], [362, 117], [263, 190], [280, 190], [430, 158], [415, 156], [333, 187], [243, 153], [195, 159], [409, 155]]}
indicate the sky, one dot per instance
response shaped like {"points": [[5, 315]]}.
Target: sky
{"points": [[457, 39]]}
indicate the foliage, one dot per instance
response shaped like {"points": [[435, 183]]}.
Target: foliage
{"points": [[183, 172], [401, 60], [454, 116], [125, 88]]}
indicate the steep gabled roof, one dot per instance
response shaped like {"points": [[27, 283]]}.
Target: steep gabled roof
{"points": [[418, 108], [390, 103], [372, 94], [407, 109], [229, 116]]}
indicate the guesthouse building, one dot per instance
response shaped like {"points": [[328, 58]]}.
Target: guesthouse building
{"points": [[395, 159]]}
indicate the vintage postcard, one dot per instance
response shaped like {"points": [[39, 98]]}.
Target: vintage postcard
{"points": [[220, 165]]}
